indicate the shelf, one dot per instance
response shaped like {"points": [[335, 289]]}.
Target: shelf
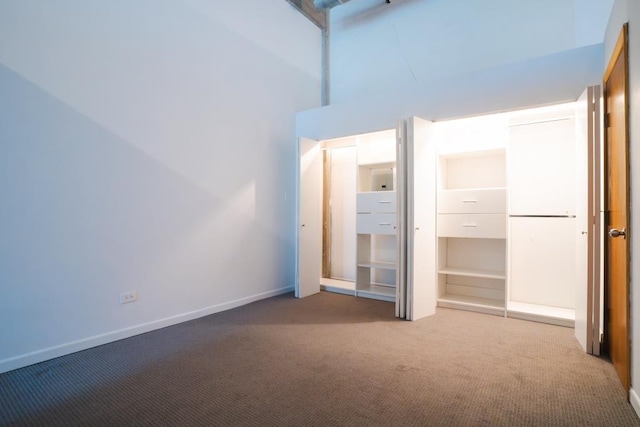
{"points": [[491, 152], [378, 291], [482, 305], [346, 287], [470, 272], [464, 299], [541, 313], [472, 170], [381, 165], [376, 177], [379, 264]]}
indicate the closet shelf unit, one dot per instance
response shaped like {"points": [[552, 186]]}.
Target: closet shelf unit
{"points": [[471, 231], [376, 224]]}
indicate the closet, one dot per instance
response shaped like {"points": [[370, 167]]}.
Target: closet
{"points": [[543, 211], [513, 221], [493, 213], [472, 221], [348, 216], [394, 215]]}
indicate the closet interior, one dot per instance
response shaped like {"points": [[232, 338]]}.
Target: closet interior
{"points": [[359, 215], [511, 226]]}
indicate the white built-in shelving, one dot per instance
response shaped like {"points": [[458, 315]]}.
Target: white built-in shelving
{"points": [[471, 230], [376, 222]]}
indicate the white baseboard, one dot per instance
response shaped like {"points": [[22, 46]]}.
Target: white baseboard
{"points": [[94, 341], [635, 400]]}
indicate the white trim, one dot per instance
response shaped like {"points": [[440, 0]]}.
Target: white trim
{"points": [[536, 317], [338, 290], [634, 399], [96, 340]]}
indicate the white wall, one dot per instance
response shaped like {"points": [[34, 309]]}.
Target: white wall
{"points": [[378, 48], [554, 78], [145, 145], [439, 60], [629, 11]]}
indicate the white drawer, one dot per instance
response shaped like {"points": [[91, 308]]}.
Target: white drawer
{"points": [[376, 224], [493, 200], [376, 202], [488, 226]]}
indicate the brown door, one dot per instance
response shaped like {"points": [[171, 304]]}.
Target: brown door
{"points": [[617, 207]]}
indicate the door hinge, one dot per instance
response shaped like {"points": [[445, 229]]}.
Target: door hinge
{"points": [[607, 120]]}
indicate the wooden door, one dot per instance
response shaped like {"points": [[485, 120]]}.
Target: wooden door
{"points": [[309, 265], [617, 210], [421, 219]]}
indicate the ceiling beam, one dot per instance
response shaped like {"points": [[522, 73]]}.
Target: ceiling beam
{"points": [[306, 7]]}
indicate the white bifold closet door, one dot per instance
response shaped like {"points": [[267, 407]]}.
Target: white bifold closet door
{"points": [[418, 147], [310, 169], [587, 302]]}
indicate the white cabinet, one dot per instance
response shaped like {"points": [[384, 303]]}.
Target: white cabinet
{"points": [[376, 223], [471, 229], [377, 220], [490, 200], [470, 225], [376, 201]]}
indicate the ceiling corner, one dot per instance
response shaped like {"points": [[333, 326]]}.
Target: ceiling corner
{"points": [[307, 8]]}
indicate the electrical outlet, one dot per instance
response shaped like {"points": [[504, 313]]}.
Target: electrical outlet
{"points": [[127, 297]]}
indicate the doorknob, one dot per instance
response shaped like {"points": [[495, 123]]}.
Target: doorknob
{"points": [[614, 232]]}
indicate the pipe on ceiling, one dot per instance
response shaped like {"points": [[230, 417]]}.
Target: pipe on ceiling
{"points": [[327, 4]]}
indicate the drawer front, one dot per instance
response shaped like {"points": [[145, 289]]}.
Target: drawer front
{"points": [[376, 202], [487, 226], [472, 201], [376, 224]]}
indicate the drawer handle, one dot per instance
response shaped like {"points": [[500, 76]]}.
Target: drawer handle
{"points": [[384, 223], [469, 225], [384, 201], [469, 201]]}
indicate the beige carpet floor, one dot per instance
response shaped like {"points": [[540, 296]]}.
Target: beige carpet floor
{"points": [[327, 360]]}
